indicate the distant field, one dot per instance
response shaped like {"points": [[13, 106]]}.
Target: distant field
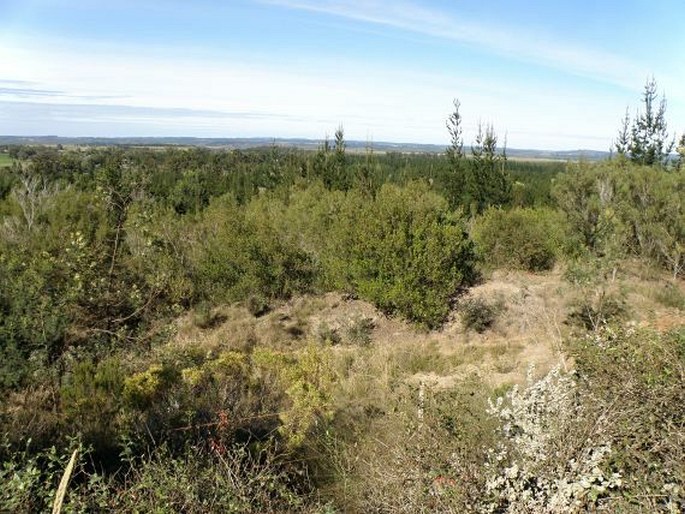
{"points": [[5, 160]]}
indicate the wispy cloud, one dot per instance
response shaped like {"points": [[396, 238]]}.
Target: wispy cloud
{"points": [[29, 92], [39, 94], [104, 112], [509, 41], [16, 82]]}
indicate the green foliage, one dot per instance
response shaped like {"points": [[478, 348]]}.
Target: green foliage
{"points": [[681, 153], [306, 379], [30, 481], [403, 250], [102, 250], [650, 206], [238, 253], [481, 181], [619, 209], [359, 330], [520, 238], [410, 254], [91, 400], [586, 194], [599, 309], [489, 183], [34, 318], [532, 182], [226, 479]]}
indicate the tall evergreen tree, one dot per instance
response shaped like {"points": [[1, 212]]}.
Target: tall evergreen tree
{"points": [[455, 152], [622, 144], [491, 184], [457, 176], [649, 139], [340, 179]]}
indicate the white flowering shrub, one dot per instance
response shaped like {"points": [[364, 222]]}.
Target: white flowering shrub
{"points": [[542, 466]]}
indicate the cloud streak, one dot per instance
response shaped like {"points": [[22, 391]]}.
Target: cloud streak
{"points": [[528, 46], [104, 112]]}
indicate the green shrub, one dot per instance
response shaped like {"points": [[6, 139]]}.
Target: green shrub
{"points": [[239, 254], [520, 238], [617, 209], [91, 401], [257, 305], [215, 478], [587, 194], [328, 335], [409, 255]]}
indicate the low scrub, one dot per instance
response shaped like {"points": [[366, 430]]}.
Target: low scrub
{"points": [[479, 315]]}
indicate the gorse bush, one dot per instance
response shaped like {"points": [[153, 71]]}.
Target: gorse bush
{"points": [[236, 255], [411, 255]]}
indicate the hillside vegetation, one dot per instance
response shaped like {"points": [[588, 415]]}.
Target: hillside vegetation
{"points": [[276, 330]]}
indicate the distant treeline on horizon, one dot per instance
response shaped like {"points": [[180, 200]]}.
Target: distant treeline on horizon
{"points": [[300, 143]]}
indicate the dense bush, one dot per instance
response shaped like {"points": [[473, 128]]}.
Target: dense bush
{"points": [[520, 238], [403, 250], [410, 254], [236, 255]]}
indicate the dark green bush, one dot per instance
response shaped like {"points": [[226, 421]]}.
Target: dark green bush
{"points": [[520, 238], [403, 250], [91, 402], [409, 255]]}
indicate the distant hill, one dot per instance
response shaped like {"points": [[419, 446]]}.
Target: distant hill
{"points": [[305, 144]]}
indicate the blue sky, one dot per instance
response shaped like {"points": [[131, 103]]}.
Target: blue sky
{"points": [[549, 75]]}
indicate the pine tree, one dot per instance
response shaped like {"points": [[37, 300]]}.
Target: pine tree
{"points": [[455, 152], [491, 184], [649, 135], [622, 144], [340, 146], [340, 179], [456, 178]]}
